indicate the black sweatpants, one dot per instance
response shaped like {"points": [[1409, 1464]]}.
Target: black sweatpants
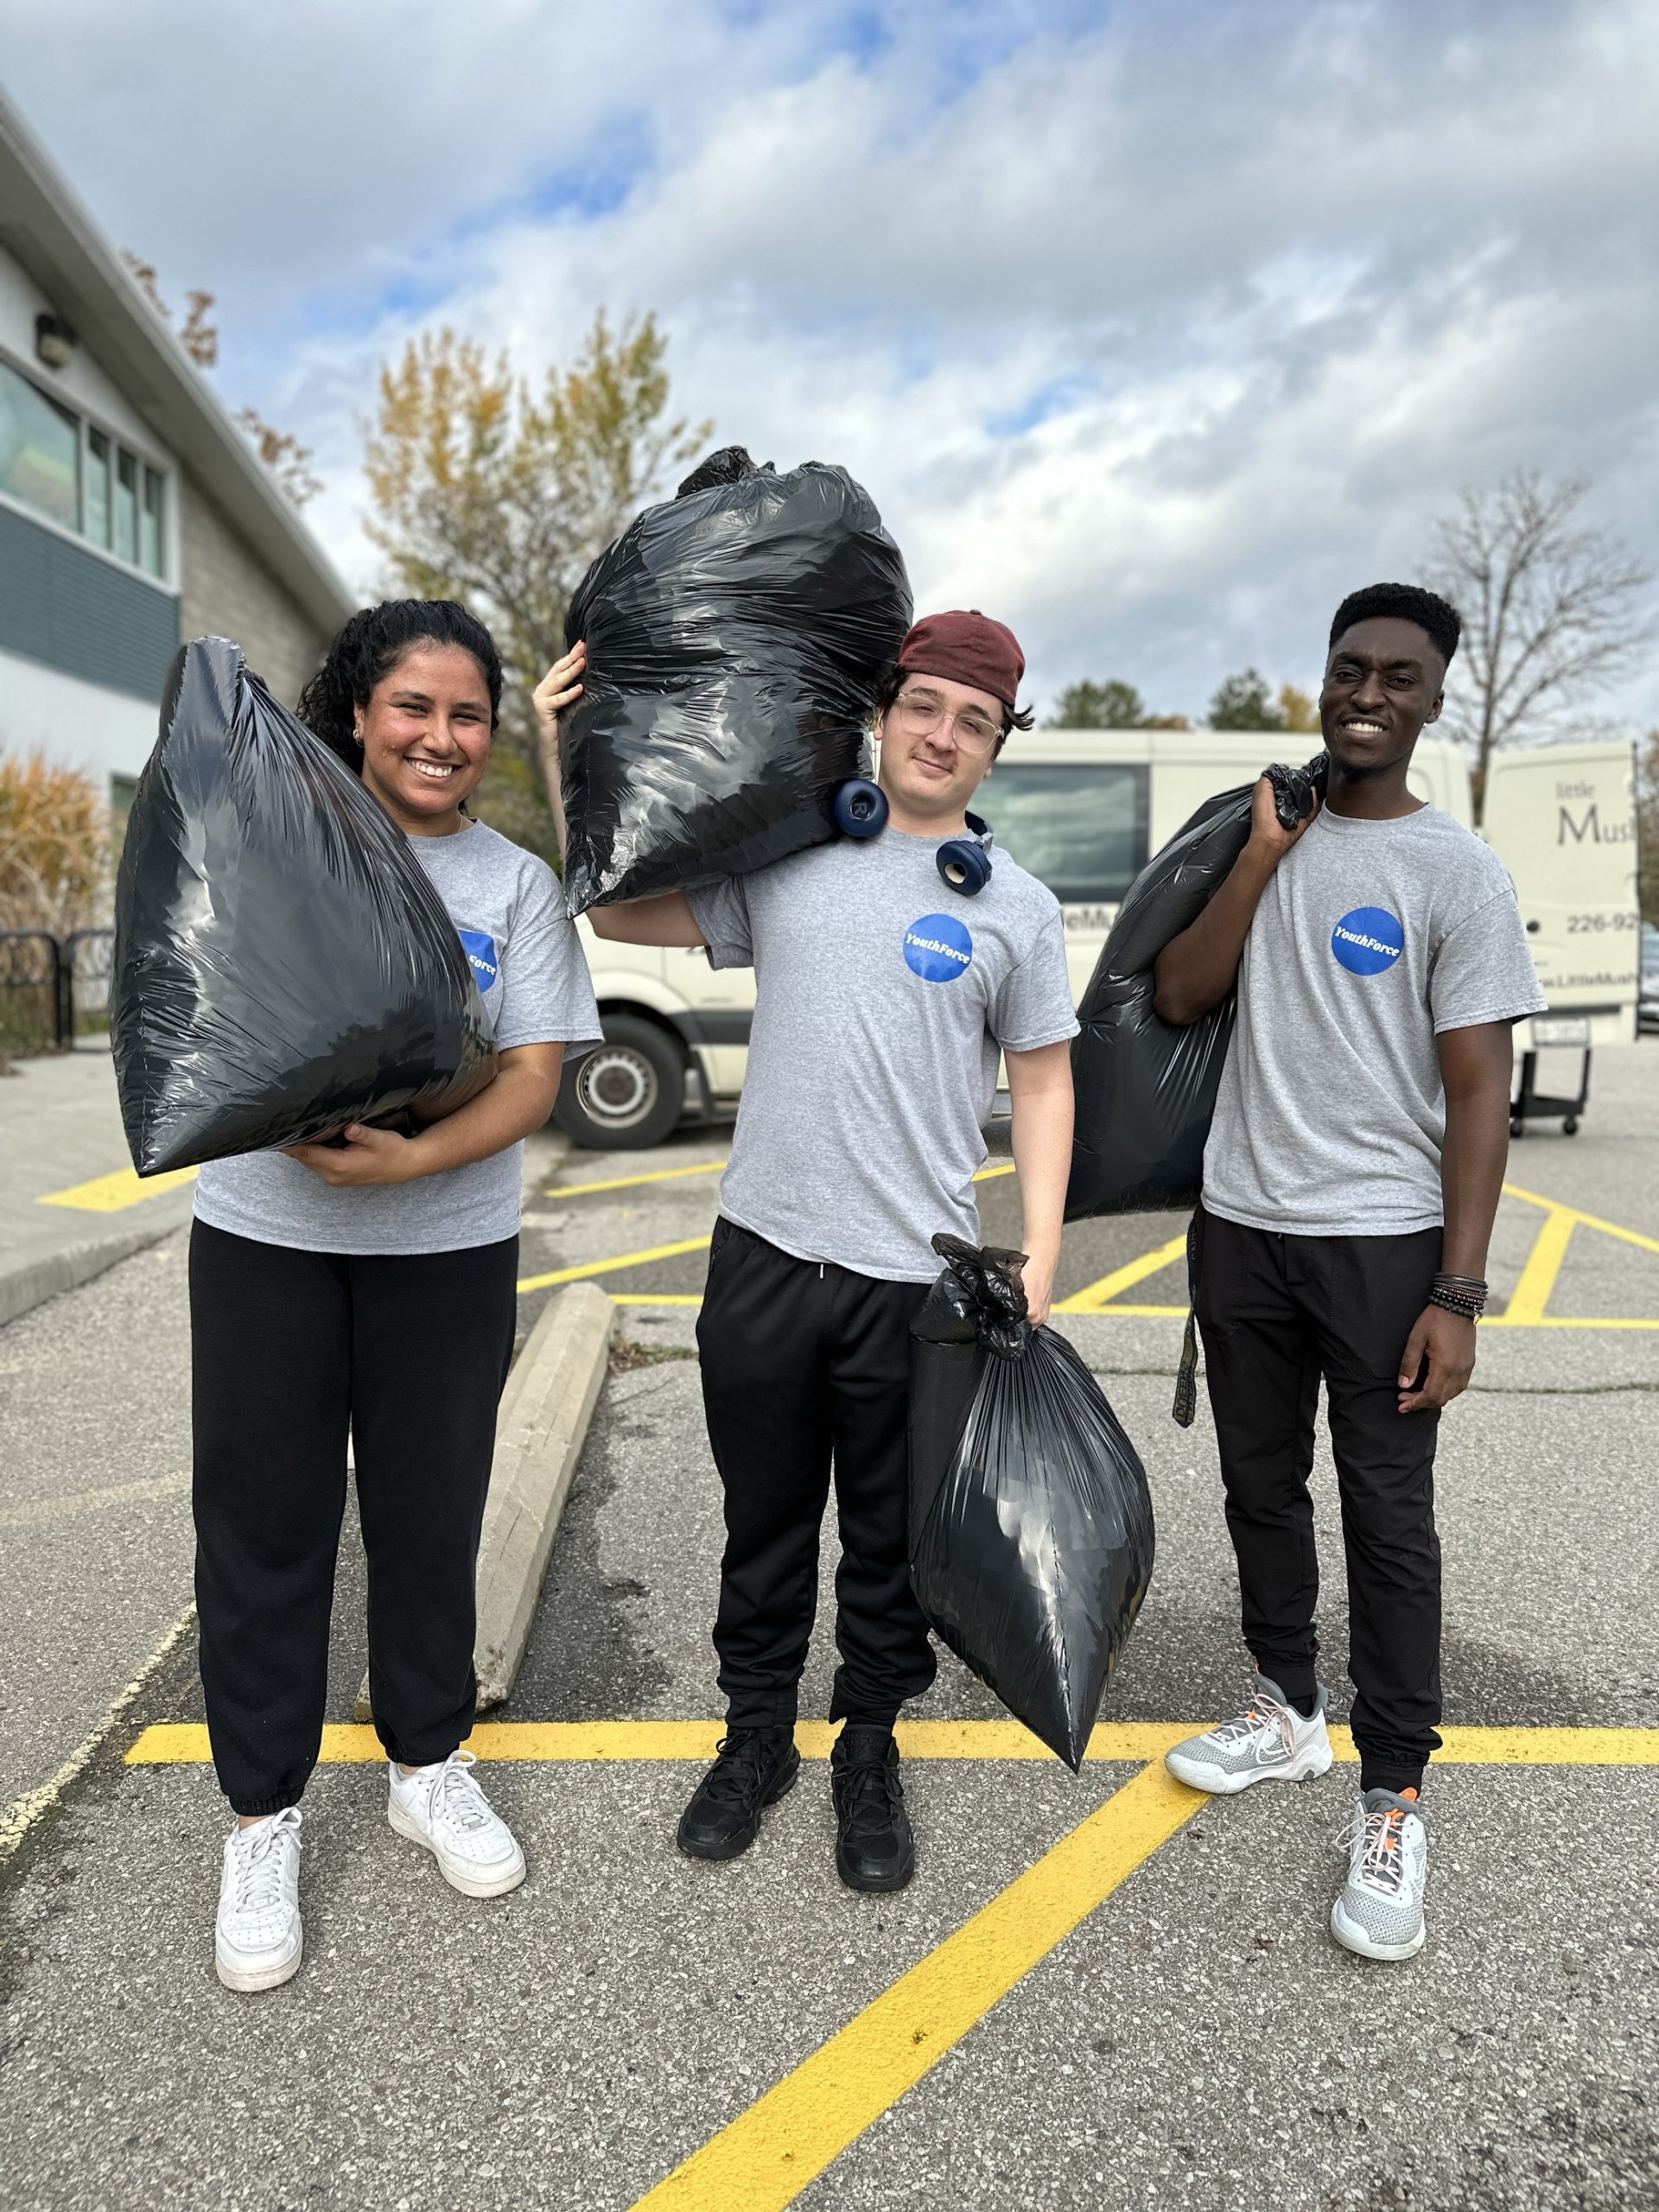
{"points": [[1277, 1313], [805, 1364], [289, 1349]]}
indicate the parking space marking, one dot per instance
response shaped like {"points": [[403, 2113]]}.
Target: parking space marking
{"points": [[1094, 1295], [1591, 1220], [112, 1193], [765, 2157], [1113, 1743], [629, 1182], [610, 1266]]}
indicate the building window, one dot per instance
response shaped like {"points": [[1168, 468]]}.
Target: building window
{"points": [[80, 477], [40, 451]]}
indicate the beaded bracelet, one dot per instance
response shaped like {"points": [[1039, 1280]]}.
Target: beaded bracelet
{"points": [[1461, 1295]]}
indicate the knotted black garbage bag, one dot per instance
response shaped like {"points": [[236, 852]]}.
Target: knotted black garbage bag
{"points": [[1031, 1539], [282, 966], [1146, 1087], [734, 637]]}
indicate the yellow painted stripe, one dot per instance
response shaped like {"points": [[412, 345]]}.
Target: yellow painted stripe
{"points": [[629, 1182], [1590, 1220], [1543, 1264], [1098, 1294], [1571, 1321], [990, 1174], [608, 1267], [663, 1298], [768, 2154], [112, 1193], [1123, 1743]]}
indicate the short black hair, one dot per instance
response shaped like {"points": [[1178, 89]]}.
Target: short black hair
{"points": [[1405, 603], [892, 680]]}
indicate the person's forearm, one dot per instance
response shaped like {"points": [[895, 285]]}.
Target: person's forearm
{"points": [[1472, 1157], [1195, 971], [1042, 1156], [549, 752], [517, 1101]]}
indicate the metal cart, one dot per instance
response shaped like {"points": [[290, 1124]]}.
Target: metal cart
{"points": [[1530, 1105]]}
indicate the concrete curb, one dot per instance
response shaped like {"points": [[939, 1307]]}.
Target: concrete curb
{"points": [[27, 1283], [540, 1430]]}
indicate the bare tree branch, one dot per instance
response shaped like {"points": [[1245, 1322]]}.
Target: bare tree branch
{"points": [[1551, 609]]}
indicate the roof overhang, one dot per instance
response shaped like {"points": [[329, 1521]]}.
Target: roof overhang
{"points": [[44, 224]]}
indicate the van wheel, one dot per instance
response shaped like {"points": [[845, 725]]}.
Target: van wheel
{"points": [[628, 1092]]}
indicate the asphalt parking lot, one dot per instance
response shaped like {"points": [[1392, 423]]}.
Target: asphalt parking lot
{"points": [[1099, 1991]]}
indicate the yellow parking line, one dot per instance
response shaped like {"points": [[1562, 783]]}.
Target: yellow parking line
{"points": [[608, 1267], [1094, 1295], [768, 2154], [661, 1297], [1543, 1264], [111, 1193], [628, 1182], [1590, 1220], [1115, 1743]]}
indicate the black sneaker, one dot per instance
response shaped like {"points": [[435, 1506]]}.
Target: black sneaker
{"points": [[755, 1767], [875, 1848]]}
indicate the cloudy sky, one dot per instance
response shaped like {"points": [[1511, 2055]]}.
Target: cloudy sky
{"points": [[1153, 328]]}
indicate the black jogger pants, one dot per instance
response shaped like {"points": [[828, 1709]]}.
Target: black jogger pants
{"points": [[806, 1364], [289, 1349], [1277, 1314]]}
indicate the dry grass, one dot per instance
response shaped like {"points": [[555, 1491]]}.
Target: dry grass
{"points": [[55, 847]]}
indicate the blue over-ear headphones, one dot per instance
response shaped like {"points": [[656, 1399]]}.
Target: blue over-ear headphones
{"points": [[860, 809]]}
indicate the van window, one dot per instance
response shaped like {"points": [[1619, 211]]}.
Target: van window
{"points": [[1081, 830]]}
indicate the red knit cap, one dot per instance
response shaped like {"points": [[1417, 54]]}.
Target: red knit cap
{"points": [[966, 648]]}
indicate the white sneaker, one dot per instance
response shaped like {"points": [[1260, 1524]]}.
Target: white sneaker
{"points": [[1380, 1911], [1268, 1742], [258, 1939], [443, 1808]]}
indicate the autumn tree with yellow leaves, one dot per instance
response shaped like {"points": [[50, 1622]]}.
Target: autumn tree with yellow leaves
{"points": [[497, 492]]}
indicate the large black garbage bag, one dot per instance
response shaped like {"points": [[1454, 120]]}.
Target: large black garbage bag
{"points": [[282, 965], [1146, 1087], [734, 637], [1031, 1539]]}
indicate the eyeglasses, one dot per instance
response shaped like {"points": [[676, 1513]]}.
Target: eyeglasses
{"points": [[920, 713]]}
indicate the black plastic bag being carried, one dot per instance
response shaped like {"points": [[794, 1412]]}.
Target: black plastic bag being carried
{"points": [[1031, 1538], [735, 637], [282, 965], [1146, 1087]]}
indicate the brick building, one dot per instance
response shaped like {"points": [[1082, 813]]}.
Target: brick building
{"points": [[133, 512]]}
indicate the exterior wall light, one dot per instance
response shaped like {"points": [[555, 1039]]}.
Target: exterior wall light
{"points": [[55, 341]]}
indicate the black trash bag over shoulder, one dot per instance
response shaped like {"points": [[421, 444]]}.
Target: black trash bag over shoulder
{"points": [[1031, 1533], [734, 637], [282, 965], [1146, 1087]]}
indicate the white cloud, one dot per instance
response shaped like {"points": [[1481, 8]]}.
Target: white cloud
{"points": [[1267, 283]]}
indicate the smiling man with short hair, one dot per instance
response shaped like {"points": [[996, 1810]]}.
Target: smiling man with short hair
{"points": [[886, 988], [1351, 1182]]}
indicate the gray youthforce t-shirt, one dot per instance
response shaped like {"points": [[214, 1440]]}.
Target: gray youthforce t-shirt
{"points": [[533, 981], [1371, 938], [882, 1000]]}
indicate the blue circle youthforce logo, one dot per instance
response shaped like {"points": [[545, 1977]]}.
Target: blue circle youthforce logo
{"points": [[479, 949], [937, 947], [1367, 940]]}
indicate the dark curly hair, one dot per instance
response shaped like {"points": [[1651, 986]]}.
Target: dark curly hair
{"points": [[1404, 603], [891, 682], [370, 647]]}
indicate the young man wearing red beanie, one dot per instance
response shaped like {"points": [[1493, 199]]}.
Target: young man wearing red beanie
{"points": [[883, 997]]}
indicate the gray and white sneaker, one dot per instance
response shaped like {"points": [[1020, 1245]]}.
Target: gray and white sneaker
{"points": [[258, 1938], [443, 1808], [1380, 1911], [1270, 1741]]}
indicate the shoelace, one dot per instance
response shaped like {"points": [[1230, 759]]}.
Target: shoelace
{"points": [[868, 1788], [1375, 1842], [1262, 1714], [736, 1771], [258, 1857], [463, 1804]]}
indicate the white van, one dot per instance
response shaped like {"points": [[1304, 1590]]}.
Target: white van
{"points": [[1084, 811]]}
